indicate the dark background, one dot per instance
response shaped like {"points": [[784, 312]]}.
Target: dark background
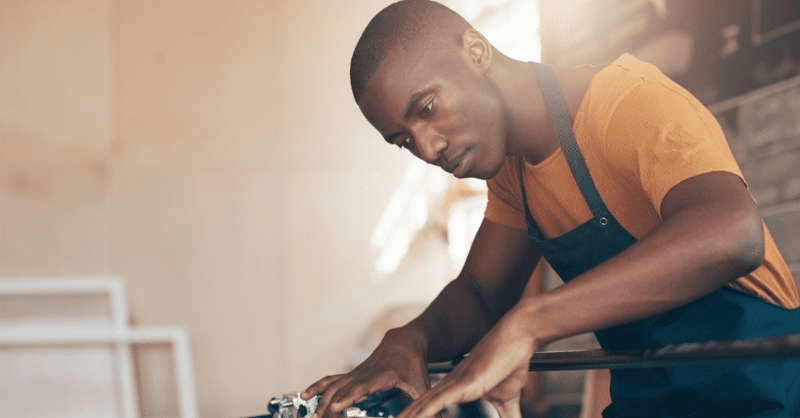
{"points": [[739, 45]]}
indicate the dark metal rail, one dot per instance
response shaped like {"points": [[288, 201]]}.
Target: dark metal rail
{"points": [[774, 348]]}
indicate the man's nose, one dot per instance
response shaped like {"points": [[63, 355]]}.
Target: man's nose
{"points": [[430, 146]]}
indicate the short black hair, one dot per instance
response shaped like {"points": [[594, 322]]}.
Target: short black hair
{"points": [[407, 23]]}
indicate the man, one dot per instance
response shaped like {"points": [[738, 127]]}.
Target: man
{"points": [[620, 178]]}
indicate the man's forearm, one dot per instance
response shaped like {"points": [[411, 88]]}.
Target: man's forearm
{"points": [[494, 276], [454, 321]]}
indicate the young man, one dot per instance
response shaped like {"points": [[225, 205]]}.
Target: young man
{"points": [[620, 178]]}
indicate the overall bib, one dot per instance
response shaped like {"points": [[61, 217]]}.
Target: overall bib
{"points": [[729, 390]]}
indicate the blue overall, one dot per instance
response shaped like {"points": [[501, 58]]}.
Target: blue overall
{"points": [[745, 389]]}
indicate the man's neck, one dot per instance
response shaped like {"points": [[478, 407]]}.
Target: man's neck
{"points": [[530, 131]]}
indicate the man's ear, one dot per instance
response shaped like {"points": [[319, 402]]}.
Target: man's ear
{"points": [[477, 49]]}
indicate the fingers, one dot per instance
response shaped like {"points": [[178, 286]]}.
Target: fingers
{"points": [[324, 407], [329, 389], [508, 409], [341, 391], [437, 399], [510, 388], [351, 392], [386, 368], [464, 386], [356, 389], [319, 386], [323, 386]]}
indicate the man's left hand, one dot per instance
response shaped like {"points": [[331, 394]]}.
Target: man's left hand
{"points": [[495, 370]]}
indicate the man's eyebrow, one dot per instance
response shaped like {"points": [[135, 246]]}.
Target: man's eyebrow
{"points": [[412, 104]]}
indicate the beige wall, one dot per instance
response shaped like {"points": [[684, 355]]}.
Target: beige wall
{"points": [[209, 153], [55, 130]]}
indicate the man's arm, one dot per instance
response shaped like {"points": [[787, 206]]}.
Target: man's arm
{"points": [[711, 234], [497, 268]]}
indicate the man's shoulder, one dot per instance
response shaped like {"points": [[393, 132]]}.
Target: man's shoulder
{"points": [[620, 77], [615, 83], [627, 65]]}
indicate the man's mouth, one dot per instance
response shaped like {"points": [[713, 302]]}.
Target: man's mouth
{"points": [[451, 165]]}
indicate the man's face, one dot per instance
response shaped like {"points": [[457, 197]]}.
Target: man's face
{"points": [[439, 107]]}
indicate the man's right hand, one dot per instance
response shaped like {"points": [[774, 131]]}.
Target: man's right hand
{"points": [[399, 361]]}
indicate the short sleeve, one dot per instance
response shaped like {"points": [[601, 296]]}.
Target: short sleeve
{"points": [[660, 135]]}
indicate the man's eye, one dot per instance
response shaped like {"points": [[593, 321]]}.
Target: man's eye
{"points": [[405, 142], [428, 109]]}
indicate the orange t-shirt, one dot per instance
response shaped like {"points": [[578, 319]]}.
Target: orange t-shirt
{"points": [[640, 134]]}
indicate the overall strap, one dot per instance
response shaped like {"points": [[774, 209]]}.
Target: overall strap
{"points": [[562, 127]]}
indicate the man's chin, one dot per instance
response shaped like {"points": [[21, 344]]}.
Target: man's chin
{"points": [[481, 173], [488, 174], [480, 176]]}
